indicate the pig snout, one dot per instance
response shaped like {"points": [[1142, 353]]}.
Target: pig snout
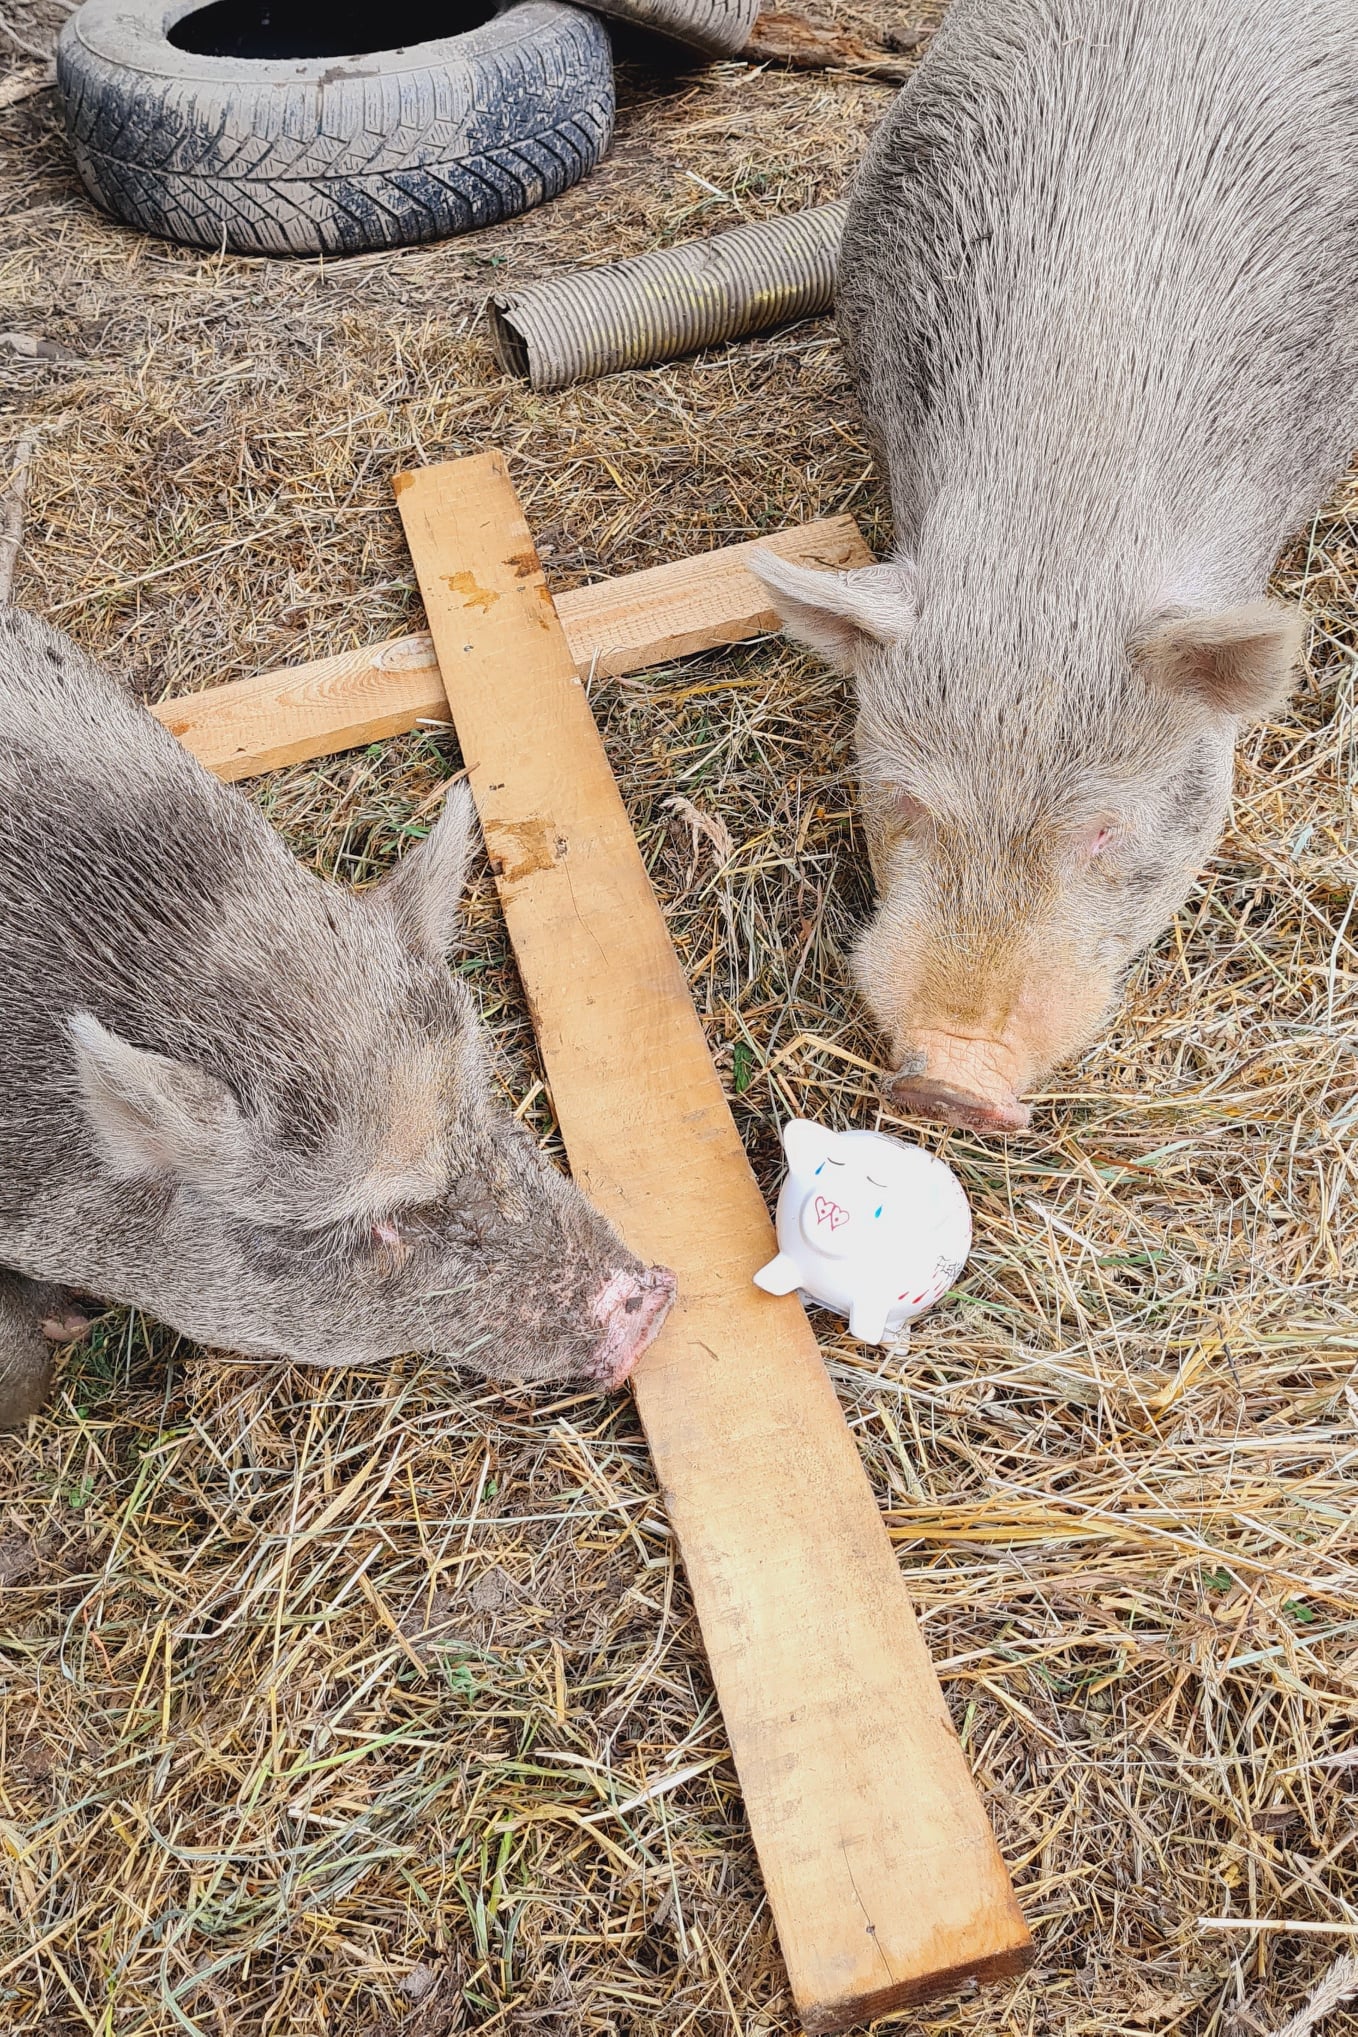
{"points": [[630, 1309], [963, 1081]]}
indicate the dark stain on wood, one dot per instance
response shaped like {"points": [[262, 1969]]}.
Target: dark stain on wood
{"points": [[471, 590], [519, 847]]}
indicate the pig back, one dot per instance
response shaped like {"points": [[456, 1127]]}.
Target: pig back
{"points": [[1098, 273]]}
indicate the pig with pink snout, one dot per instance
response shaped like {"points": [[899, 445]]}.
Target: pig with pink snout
{"points": [[868, 1226], [1096, 291], [256, 1105]]}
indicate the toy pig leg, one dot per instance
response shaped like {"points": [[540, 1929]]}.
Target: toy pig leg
{"points": [[781, 1276], [867, 1318]]}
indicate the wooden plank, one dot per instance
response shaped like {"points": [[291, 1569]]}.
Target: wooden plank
{"points": [[695, 604], [883, 1875], [306, 711], [612, 627]]}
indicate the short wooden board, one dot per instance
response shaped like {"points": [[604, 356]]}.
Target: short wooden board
{"points": [[612, 627], [883, 1875]]}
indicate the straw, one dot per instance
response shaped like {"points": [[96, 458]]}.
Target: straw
{"points": [[1118, 1468]]}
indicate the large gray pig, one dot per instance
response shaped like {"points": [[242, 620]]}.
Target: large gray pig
{"points": [[1099, 291], [244, 1100]]}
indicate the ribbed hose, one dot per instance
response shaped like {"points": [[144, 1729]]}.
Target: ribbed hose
{"points": [[631, 314], [720, 27]]}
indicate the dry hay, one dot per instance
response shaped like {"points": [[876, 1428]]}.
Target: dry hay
{"points": [[366, 1703]]}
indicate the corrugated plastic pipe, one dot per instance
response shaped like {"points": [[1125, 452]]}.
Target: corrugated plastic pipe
{"points": [[720, 27], [656, 306]]}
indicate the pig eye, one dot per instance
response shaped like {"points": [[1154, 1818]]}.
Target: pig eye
{"points": [[386, 1233], [1098, 838]]}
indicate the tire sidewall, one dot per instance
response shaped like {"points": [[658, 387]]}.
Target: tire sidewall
{"points": [[332, 155]]}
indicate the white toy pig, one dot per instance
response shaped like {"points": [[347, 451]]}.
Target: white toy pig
{"points": [[867, 1225]]}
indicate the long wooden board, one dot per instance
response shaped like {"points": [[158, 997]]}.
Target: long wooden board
{"points": [[612, 627], [883, 1875]]}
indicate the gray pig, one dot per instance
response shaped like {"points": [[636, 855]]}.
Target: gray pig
{"points": [[244, 1100], [1099, 293]]}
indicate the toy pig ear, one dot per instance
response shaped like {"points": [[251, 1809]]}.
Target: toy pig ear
{"points": [[805, 1144]]}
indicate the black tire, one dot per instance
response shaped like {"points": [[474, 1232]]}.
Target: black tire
{"points": [[319, 155]]}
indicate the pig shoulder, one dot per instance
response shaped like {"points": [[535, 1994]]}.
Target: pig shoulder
{"points": [[1096, 237], [107, 791], [135, 887]]}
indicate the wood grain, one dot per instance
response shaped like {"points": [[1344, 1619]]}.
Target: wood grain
{"points": [[306, 711], [694, 604], [883, 1875], [612, 627]]}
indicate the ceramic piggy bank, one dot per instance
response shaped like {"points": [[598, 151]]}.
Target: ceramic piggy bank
{"points": [[867, 1225]]}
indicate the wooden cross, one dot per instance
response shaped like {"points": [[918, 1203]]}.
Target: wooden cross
{"points": [[883, 1875]]}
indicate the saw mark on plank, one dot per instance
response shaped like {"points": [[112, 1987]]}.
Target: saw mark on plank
{"points": [[871, 1927]]}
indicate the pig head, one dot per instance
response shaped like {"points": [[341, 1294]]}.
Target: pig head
{"points": [[1035, 814], [257, 1105]]}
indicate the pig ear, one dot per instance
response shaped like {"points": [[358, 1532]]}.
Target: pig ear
{"points": [[840, 615], [154, 1117], [425, 889], [1239, 660]]}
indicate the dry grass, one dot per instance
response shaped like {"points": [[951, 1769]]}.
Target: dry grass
{"points": [[372, 1703]]}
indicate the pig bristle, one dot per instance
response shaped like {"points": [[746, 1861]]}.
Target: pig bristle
{"points": [[323, 1694]]}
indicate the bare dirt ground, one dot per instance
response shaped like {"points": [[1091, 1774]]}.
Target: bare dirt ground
{"points": [[374, 1703]]}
